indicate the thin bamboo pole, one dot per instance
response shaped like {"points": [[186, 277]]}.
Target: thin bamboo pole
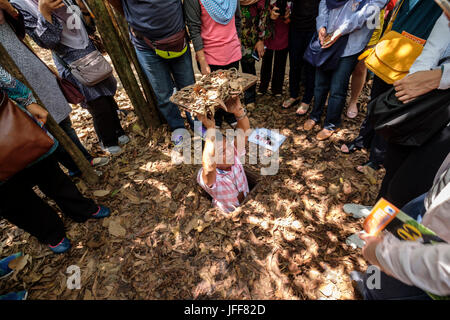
{"points": [[88, 172]]}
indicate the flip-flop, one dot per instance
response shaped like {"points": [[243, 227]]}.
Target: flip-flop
{"points": [[302, 110], [287, 106], [352, 147], [369, 164], [352, 114]]}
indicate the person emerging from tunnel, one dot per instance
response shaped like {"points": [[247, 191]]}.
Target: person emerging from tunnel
{"points": [[222, 175]]}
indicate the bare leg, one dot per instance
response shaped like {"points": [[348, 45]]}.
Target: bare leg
{"points": [[357, 81]]}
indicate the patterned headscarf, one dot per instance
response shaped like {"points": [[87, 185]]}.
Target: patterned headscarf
{"points": [[221, 11]]}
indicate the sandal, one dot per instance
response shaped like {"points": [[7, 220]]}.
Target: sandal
{"points": [[303, 109], [352, 114], [289, 103], [369, 164], [352, 147]]}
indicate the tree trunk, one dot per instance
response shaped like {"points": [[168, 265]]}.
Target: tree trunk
{"points": [[145, 110], [88, 172]]}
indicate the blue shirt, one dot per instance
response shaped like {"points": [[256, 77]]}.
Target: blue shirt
{"points": [[156, 19], [348, 20]]}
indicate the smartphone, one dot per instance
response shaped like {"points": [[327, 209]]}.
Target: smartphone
{"points": [[445, 5], [255, 55]]}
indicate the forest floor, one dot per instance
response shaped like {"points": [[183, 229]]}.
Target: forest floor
{"points": [[164, 241]]}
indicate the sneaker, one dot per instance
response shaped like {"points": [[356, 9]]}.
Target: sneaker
{"points": [[61, 247], [21, 295], [99, 161], [102, 212], [5, 270], [357, 210], [177, 151], [111, 150], [124, 139]]}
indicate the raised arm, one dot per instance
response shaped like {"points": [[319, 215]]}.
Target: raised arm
{"points": [[44, 29]]}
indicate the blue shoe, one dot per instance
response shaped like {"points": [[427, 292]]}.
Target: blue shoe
{"points": [[102, 212], [21, 295], [4, 269], [61, 247]]}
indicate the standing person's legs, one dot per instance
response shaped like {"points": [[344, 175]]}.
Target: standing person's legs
{"points": [[114, 108], [357, 84], [183, 75], [105, 120], [21, 206], [266, 71], [248, 66], [321, 89], [295, 63], [366, 132], [63, 191], [159, 75], [338, 91], [298, 43], [61, 154], [279, 70], [407, 181]]}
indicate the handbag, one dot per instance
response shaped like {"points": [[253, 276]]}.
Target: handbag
{"points": [[413, 123], [326, 59], [22, 141], [394, 54], [91, 69]]}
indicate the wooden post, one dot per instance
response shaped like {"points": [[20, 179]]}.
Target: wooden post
{"points": [[145, 110], [88, 172]]}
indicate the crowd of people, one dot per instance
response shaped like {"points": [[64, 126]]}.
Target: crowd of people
{"points": [[331, 44]]}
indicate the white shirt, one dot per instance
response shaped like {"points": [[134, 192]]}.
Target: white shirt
{"points": [[436, 49]]}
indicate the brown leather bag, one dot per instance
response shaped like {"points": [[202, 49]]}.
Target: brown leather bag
{"points": [[22, 141]]}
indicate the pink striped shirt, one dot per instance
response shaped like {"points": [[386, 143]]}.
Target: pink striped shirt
{"points": [[227, 187]]}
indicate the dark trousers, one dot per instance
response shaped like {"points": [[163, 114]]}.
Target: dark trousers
{"points": [[392, 289], [298, 42], [334, 82], [277, 59], [367, 138], [106, 120], [61, 154], [221, 114], [21, 206], [248, 66], [410, 171]]}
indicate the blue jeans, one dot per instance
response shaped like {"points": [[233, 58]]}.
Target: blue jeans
{"points": [[334, 82], [298, 42], [165, 75], [416, 208]]}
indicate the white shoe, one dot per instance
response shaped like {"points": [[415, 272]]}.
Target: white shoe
{"points": [[111, 150], [124, 139], [357, 210], [99, 161]]}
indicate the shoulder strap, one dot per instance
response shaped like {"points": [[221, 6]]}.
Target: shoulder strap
{"points": [[394, 16]]}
